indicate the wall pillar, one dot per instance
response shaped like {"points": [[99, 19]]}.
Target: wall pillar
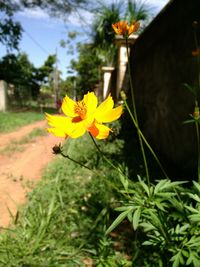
{"points": [[122, 59], [107, 72], [3, 96]]}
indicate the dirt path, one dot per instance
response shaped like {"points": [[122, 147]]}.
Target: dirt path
{"points": [[22, 168]]}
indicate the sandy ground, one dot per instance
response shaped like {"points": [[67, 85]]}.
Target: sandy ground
{"points": [[21, 169]]}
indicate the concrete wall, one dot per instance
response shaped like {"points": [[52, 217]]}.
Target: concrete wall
{"points": [[162, 62]]}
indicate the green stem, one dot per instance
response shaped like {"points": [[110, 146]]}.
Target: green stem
{"points": [[97, 173], [105, 158], [145, 141], [198, 56], [75, 161], [198, 149], [136, 118], [196, 105]]}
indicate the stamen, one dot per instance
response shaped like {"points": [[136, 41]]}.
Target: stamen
{"points": [[80, 109]]}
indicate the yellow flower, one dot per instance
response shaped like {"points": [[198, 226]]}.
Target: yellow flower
{"points": [[82, 116], [122, 28]]}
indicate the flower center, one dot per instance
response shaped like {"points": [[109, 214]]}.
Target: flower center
{"points": [[80, 109]]}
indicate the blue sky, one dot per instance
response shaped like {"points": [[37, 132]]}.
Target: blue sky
{"points": [[42, 35]]}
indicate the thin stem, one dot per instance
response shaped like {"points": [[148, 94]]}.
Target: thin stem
{"points": [[198, 148], [145, 141], [95, 172], [197, 106], [198, 56], [107, 160], [136, 118], [75, 161]]}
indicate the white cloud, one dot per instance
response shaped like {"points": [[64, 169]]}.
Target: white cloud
{"points": [[35, 13]]}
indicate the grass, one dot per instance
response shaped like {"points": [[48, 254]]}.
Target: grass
{"points": [[18, 145], [10, 121], [64, 222]]}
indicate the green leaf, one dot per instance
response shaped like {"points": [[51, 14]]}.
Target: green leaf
{"points": [[189, 121], [145, 187], [118, 220], [136, 218], [166, 185], [193, 258], [197, 186], [123, 208], [193, 210], [195, 197], [176, 259], [190, 88], [161, 184], [147, 226]]}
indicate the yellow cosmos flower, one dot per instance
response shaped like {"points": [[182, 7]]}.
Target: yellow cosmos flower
{"points": [[122, 28], [82, 116]]}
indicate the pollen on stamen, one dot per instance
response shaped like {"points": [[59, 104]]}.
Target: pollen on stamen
{"points": [[80, 109]]}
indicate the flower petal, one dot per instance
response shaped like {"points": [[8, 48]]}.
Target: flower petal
{"points": [[57, 132], [91, 102], [99, 131], [58, 121], [68, 106], [77, 129], [110, 115], [104, 107]]}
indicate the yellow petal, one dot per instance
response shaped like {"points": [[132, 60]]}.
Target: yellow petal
{"points": [[91, 102], [78, 129], [68, 107], [58, 121], [57, 132], [99, 131], [110, 115], [104, 107]]}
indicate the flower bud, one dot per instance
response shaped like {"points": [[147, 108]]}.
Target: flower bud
{"points": [[57, 149], [123, 95], [196, 113]]}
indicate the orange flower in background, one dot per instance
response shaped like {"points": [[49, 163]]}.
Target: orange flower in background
{"points": [[122, 28], [196, 52], [84, 116]]}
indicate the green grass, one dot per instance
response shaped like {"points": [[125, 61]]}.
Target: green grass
{"points": [[65, 220], [18, 145], [10, 121]]}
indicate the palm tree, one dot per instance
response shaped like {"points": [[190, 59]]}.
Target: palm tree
{"points": [[137, 11], [102, 33]]}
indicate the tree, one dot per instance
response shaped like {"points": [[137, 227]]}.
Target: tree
{"points": [[58, 8], [27, 79], [10, 31], [102, 33], [137, 11], [87, 68]]}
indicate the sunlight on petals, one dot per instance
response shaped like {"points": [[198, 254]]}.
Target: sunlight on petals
{"points": [[110, 115], [99, 131], [84, 116], [122, 28], [57, 132], [57, 121], [68, 107], [91, 102], [105, 106], [77, 130]]}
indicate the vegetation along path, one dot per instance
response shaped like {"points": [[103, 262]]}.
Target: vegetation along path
{"points": [[23, 156]]}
